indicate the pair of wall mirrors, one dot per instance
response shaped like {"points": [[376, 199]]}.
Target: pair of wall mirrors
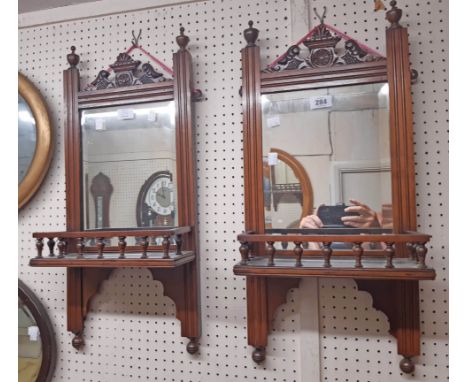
{"points": [[328, 169]]}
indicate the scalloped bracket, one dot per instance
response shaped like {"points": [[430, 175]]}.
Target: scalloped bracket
{"points": [[399, 300], [264, 296], [179, 284]]}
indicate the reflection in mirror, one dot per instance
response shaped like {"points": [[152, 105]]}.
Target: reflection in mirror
{"points": [[29, 345], [340, 136], [122, 147], [26, 138]]}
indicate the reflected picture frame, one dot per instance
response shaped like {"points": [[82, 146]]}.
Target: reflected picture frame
{"points": [[44, 141]]}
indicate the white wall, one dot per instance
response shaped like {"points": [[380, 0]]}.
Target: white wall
{"points": [[327, 330]]}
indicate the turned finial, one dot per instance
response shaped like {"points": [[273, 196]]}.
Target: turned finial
{"points": [[251, 34], [182, 40], [73, 58], [394, 15]]}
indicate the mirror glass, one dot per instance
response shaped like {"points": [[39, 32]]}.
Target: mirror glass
{"points": [[340, 136], [26, 138], [29, 345], [122, 148]]}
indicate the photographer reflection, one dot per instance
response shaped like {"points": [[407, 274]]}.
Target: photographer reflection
{"points": [[358, 215]]}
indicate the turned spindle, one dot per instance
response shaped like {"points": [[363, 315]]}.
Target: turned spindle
{"points": [[270, 251], [358, 251], [51, 245], [39, 246], [421, 252], [327, 252], [244, 251], [100, 246], [122, 245], [144, 247], [298, 253], [62, 245], [80, 247], [166, 244], [412, 250], [178, 241], [389, 253]]}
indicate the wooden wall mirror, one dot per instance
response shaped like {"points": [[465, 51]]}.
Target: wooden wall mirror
{"points": [[120, 130], [343, 112], [35, 140], [37, 350]]}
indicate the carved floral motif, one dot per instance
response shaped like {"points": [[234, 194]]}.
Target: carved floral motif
{"points": [[126, 73], [323, 52]]}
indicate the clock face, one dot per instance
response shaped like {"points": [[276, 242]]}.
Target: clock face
{"points": [[160, 196]]}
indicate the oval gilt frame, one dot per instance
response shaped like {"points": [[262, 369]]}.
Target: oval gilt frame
{"points": [[43, 154]]}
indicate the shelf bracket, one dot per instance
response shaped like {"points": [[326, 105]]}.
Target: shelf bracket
{"points": [[399, 300], [180, 285], [82, 285], [264, 296]]}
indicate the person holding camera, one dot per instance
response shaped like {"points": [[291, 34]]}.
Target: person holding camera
{"points": [[363, 217]]}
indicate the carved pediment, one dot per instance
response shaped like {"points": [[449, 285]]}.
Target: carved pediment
{"points": [[127, 72], [323, 50]]}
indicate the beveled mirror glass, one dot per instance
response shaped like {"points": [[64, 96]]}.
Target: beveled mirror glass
{"points": [[122, 147], [340, 136]]}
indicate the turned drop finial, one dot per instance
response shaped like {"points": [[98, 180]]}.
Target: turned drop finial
{"points": [[182, 40], [192, 346], [78, 341], [394, 15], [251, 34], [73, 58], [407, 365]]}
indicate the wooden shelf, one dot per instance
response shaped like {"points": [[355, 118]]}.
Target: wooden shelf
{"points": [[112, 260], [90, 259], [404, 269]]}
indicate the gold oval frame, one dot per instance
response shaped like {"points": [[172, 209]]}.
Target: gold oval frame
{"points": [[44, 141]]}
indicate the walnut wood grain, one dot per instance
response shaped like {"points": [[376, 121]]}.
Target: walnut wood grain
{"points": [[109, 233], [264, 296], [161, 91], [88, 267], [319, 238], [402, 261], [342, 268], [302, 79], [152, 260]]}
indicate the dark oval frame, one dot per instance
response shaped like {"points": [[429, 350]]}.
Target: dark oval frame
{"points": [[49, 346]]}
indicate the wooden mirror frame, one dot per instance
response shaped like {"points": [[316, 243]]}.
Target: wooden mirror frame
{"points": [[176, 266], [49, 347], [394, 287], [44, 141]]}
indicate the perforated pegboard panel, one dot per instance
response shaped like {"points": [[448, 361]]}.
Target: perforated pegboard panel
{"points": [[131, 332]]}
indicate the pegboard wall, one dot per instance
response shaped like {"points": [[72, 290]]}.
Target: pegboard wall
{"points": [[327, 330]]}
